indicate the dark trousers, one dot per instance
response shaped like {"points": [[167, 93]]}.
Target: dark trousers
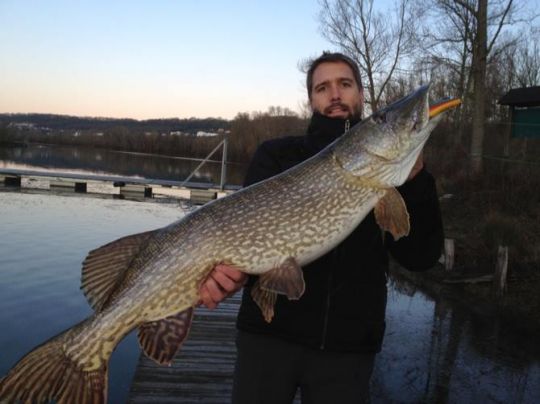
{"points": [[269, 371]]}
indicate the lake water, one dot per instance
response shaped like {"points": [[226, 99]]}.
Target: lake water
{"points": [[439, 351], [435, 351], [108, 162], [43, 240]]}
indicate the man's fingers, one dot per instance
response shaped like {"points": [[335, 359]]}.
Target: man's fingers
{"points": [[223, 281], [206, 299], [231, 272], [215, 291]]}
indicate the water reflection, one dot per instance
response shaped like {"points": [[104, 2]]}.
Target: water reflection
{"points": [[437, 351], [76, 159]]}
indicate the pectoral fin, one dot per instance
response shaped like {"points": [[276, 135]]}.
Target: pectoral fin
{"points": [[286, 279], [265, 300], [391, 214], [162, 339]]}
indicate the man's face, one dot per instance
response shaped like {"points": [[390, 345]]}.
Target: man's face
{"points": [[335, 92]]}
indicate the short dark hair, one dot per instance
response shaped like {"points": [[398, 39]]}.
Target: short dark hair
{"points": [[332, 57]]}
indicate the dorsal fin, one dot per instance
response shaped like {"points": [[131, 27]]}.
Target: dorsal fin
{"points": [[105, 266]]}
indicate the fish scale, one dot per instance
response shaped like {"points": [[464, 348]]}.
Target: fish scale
{"points": [[151, 280]]}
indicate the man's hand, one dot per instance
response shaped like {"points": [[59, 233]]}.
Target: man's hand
{"points": [[417, 166], [223, 281]]}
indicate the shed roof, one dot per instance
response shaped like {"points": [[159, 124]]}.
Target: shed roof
{"points": [[522, 97]]}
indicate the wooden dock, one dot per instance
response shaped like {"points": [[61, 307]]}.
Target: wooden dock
{"points": [[122, 187], [202, 371]]}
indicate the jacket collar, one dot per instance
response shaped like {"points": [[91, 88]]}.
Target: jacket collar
{"points": [[323, 130]]}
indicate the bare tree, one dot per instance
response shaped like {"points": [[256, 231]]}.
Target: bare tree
{"points": [[478, 74], [465, 35], [516, 65], [527, 61], [377, 41]]}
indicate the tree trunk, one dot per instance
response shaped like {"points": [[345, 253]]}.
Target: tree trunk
{"points": [[479, 86]]}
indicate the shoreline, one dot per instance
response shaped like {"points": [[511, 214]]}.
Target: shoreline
{"points": [[519, 308]]}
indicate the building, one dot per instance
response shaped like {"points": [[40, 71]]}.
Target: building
{"points": [[524, 106]]}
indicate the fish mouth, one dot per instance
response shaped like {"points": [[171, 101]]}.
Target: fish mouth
{"points": [[443, 105], [410, 113]]}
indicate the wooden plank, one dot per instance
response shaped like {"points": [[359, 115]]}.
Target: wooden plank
{"points": [[62, 184], [136, 190], [202, 196], [202, 372]]}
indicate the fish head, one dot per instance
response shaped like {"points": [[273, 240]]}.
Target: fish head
{"points": [[383, 148]]}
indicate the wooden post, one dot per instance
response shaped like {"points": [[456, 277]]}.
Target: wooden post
{"points": [[448, 254], [508, 134], [501, 270]]}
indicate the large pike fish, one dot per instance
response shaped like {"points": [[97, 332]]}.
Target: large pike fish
{"points": [[151, 280]]}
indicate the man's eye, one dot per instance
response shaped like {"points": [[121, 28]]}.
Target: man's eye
{"points": [[346, 84], [320, 89]]}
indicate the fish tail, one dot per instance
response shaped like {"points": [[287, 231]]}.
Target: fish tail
{"points": [[47, 373]]}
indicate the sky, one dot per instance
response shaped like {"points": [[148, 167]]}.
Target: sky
{"points": [[155, 58]]}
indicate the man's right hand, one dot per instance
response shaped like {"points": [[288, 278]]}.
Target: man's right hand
{"points": [[223, 281]]}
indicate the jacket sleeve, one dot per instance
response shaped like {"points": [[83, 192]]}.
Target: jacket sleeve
{"points": [[421, 249], [263, 165]]}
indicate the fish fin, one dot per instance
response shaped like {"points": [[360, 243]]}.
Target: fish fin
{"points": [[286, 279], [47, 373], [162, 339], [265, 300], [105, 266], [391, 214]]}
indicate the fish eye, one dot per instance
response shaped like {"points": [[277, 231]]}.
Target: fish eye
{"points": [[379, 118]]}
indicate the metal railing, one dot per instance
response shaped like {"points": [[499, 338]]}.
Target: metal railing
{"points": [[223, 143]]}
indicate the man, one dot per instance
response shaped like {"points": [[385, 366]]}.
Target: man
{"points": [[325, 343]]}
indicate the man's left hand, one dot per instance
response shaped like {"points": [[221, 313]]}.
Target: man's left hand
{"points": [[223, 281]]}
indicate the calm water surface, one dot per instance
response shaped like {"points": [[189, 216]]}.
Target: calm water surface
{"points": [[109, 162], [43, 240], [435, 351], [440, 351]]}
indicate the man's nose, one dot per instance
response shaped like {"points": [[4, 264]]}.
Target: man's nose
{"points": [[335, 93]]}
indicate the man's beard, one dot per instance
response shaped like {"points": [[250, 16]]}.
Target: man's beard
{"points": [[353, 114]]}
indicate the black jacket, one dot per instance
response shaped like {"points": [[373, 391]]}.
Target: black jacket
{"points": [[343, 307]]}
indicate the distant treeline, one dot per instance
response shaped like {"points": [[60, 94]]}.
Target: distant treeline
{"points": [[66, 122], [174, 137]]}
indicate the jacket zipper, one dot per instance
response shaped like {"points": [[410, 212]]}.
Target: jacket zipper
{"points": [[327, 306], [326, 313], [347, 125]]}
